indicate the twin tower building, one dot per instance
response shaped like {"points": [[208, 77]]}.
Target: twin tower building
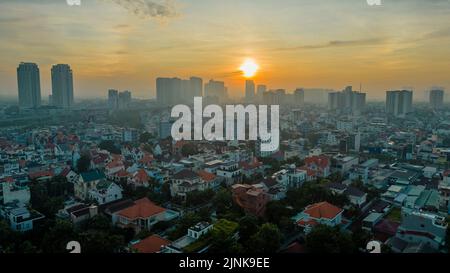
{"points": [[29, 86]]}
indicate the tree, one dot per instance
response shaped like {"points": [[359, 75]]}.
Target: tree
{"points": [[145, 137], [84, 163], [276, 210], [326, 239], [57, 237], [267, 239], [148, 148], [109, 146], [189, 149], [248, 225], [222, 238], [196, 198], [223, 201]]}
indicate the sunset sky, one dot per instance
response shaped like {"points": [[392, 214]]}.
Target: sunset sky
{"points": [[296, 43]]}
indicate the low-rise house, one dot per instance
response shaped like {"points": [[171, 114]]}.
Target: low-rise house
{"points": [[77, 212], [194, 233], [322, 213], [422, 227], [152, 244], [343, 164], [142, 215], [355, 195], [444, 192], [87, 181], [250, 169], [320, 165], [19, 217], [139, 178], [11, 191], [231, 172], [251, 198], [105, 192]]}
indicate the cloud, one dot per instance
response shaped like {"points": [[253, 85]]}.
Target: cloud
{"points": [[337, 43], [149, 9]]}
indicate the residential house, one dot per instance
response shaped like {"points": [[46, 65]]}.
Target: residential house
{"points": [[20, 218], [320, 213], [86, 182], [143, 214], [318, 165], [105, 192], [152, 244], [422, 227], [251, 198]]}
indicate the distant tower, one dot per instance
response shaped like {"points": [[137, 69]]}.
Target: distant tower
{"points": [[436, 99], [399, 102], [249, 91], [113, 99], [29, 85], [62, 86], [299, 97]]}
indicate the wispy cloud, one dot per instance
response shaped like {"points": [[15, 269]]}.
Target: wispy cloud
{"points": [[337, 43], [149, 9]]}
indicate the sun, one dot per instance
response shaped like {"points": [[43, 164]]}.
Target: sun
{"points": [[249, 68]]}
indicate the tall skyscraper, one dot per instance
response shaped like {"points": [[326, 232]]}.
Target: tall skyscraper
{"points": [[249, 91], [113, 99], [215, 91], [260, 90], [171, 91], [196, 87], [399, 102], [29, 85], [62, 86], [299, 97], [124, 100], [347, 101], [436, 99]]}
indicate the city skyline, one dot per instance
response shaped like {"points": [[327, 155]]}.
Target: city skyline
{"points": [[128, 52]]}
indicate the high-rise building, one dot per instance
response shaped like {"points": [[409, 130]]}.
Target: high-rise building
{"points": [[299, 97], [347, 101], [399, 102], [113, 99], [29, 85], [249, 91], [171, 91], [62, 86], [215, 91], [260, 90], [436, 99], [124, 100], [196, 87]]}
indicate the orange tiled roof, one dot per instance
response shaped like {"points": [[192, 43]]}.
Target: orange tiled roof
{"points": [[141, 176], [151, 244], [114, 164], [309, 222], [322, 210], [206, 176], [142, 208], [320, 161]]}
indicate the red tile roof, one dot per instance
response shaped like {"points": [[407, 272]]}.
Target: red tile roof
{"points": [[142, 208], [206, 176], [320, 161], [322, 210], [141, 176], [151, 244]]}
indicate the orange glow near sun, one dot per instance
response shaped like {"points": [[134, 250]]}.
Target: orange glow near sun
{"points": [[249, 68]]}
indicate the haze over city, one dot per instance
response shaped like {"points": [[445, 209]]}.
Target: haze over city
{"points": [[295, 43]]}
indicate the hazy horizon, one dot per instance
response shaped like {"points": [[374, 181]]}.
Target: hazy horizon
{"points": [[296, 43]]}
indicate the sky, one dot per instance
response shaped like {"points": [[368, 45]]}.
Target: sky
{"points": [[127, 44]]}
